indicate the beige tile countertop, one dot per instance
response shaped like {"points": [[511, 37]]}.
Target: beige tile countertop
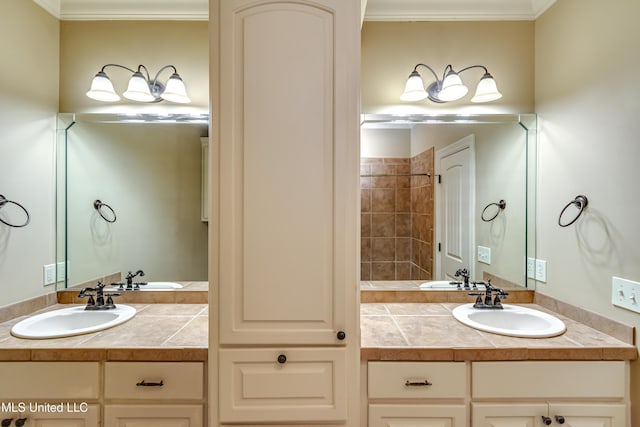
{"points": [[428, 331], [390, 331], [167, 332]]}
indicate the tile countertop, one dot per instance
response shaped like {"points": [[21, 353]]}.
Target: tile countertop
{"points": [[419, 331], [390, 331]]}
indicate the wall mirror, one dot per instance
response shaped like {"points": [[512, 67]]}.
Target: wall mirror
{"points": [[130, 197], [446, 192]]}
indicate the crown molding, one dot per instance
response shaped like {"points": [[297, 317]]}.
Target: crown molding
{"points": [[138, 10], [455, 10]]}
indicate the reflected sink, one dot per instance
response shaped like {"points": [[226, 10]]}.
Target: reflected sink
{"points": [[512, 320], [443, 284], [71, 321], [159, 286]]}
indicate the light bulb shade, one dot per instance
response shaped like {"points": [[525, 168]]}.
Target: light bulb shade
{"points": [[414, 89], [452, 87], [102, 89], [138, 89], [487, 90], [175, 91]]}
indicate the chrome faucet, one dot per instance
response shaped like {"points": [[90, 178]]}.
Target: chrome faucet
{"points": [[98, 303]]}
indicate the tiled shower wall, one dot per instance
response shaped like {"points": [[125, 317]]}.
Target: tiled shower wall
{"points": [[397, 218]]}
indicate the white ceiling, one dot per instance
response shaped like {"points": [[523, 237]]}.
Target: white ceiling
{"points": [[376, 10]]}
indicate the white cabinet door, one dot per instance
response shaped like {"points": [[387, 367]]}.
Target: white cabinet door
{"points": [[589, 415], [153, 416], [66, 414], [418, 415], [283, 385], [289, 162], [534, 414], [508, 414]]}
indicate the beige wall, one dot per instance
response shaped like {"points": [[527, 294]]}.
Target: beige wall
{"points": [[88, 45], [28, 105], [587, 89], [390, 50]]}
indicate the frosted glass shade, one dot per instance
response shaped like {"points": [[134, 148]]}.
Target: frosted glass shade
{"points": [[138, 89], [452, 88], [414, 89], [102, 89], [175, 91], [487, 90]]}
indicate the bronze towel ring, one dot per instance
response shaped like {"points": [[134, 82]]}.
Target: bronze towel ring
{"points": [[4, 201], [580, 202]]}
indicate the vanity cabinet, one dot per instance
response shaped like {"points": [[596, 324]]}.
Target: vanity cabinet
{"points": [[417, 393], [56, 394], [153, 394], [287, 205], [530, 393]]}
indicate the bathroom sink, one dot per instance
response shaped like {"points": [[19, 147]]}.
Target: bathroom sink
{"points": [[158, 286], [512, 320], [71, 321], [443, 284]]}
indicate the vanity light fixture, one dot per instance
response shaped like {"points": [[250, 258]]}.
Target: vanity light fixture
{"points": [[450, 87], [141, 87]]}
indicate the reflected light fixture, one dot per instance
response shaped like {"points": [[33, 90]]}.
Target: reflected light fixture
{"points": [[141, 87], [450, 87]]}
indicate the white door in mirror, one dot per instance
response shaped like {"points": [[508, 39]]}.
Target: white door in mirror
{"points": [[71, 321], [511, 320]]}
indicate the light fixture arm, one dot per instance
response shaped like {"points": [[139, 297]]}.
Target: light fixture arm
{"points": [[120, 66], [155, 79], [473, 66]]}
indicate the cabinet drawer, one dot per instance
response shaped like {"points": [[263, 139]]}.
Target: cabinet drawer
{"points": [[308, 386], [548, 379], [406, 380], [153, 416], [136, 380], [49, 380]]}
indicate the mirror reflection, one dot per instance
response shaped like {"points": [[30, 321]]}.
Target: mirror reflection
{"points": [[131, 193], [440, 194]]}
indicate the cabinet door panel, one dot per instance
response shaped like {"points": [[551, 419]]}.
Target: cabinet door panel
{"points": [[423, 415], [508, 415], [84, 416], [288, 170], [590, 415], [153, 416], [306, 387]]}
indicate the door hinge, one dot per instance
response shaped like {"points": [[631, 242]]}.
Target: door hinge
{"points": [[439, 247], [439, 178]]}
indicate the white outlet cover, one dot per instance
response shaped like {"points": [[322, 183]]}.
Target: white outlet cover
{"points": [[531, 268], [49, 274], [484, 254], [541, 270]]}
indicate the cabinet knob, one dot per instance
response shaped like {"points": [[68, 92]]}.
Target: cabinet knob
{"points": [[341, 335], [20, 422], [6, 422], [546, 420], [282, 358], [559, 419]]}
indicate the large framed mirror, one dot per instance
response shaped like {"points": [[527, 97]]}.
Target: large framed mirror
{"points": [[441, 193], [130, 197]]}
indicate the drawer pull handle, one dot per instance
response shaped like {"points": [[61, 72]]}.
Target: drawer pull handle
{"points": [[143, 383], [546, 421], [6, 422], [20, 422], [282, 358], [424, 383], [559, 419]]}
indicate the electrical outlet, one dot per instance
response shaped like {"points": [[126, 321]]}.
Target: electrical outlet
{"points": [[531, 268], [61, 271], [49, 274], [484, 254], [541, 270], [625, 293]]}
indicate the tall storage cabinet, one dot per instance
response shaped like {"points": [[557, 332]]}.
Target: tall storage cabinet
{"points": [[287, 121]]}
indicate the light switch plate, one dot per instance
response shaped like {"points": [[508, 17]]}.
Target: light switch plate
{"points": [[61, 271], [484, 254], [541, 270], [625, 293]]}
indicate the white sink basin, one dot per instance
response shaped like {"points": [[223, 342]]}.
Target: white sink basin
{"points": [[159, 286], [71, 321], [512, 320], [443, 284]]}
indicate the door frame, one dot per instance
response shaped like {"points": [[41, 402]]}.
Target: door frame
{"points": [[467, 142]]}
